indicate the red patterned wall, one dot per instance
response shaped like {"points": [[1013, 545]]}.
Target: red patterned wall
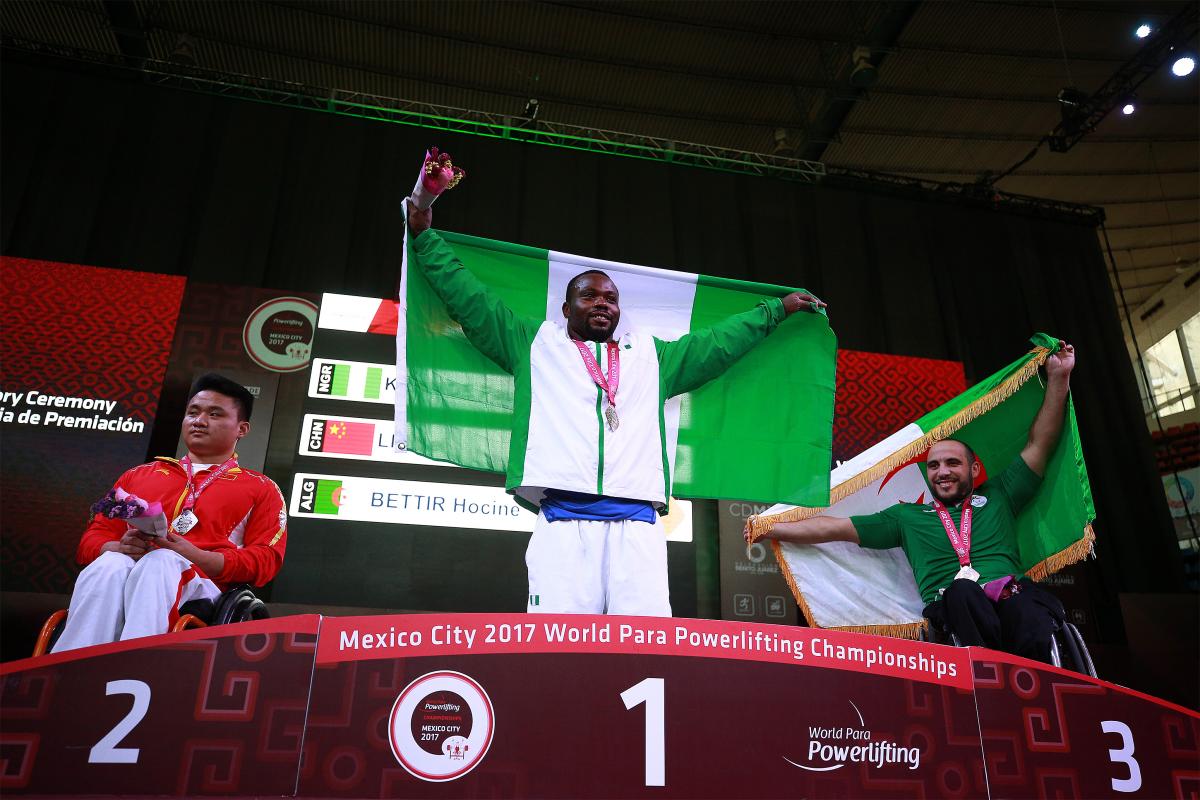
{"points": [[83, 332], [878, 394]]}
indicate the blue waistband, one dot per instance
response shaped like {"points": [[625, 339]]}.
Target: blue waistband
{"points": [[559, 505]]}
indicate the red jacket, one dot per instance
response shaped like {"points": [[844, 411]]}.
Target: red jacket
{"points": [[241, 515]]}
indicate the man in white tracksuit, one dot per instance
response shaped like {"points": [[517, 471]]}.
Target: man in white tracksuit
{"points": [[589, 447]]}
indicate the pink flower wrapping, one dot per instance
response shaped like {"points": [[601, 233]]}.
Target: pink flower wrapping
{"points": [[148, 509], [147, 517], [438, 173]]}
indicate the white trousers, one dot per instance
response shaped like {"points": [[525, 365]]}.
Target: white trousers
{"points": [[581, 566], [116, 597]]}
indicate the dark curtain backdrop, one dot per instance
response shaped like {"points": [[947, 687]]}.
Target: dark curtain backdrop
{"points": [[107, 171]]}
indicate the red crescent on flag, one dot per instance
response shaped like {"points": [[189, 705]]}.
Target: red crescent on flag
{"points": [[920, 458], [917, 459]]}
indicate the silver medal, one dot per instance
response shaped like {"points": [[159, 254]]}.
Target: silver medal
{"points": [[967, 573], [610, 414], [184, 522]]}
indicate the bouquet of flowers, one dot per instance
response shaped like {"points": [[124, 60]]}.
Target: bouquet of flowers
{"points": [[438, 174], [133, 510]]}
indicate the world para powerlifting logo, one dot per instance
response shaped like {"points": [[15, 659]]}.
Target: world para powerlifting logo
{"points": [[831, 748], [441, 726]]}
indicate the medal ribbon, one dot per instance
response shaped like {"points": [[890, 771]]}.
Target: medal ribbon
{"points": [[593, 367], [193, 491], [960, 542]]}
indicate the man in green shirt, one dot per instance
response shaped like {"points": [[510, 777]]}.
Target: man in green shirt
{"points": [[963, 545]]}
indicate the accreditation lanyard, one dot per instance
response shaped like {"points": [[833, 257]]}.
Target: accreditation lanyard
{"points": [[193, 491], [960, 541], [614, 369]]}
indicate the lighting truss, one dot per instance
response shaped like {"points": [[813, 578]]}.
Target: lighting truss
{"points": [[519, 128], [445, 118], [1162, 45], [973, 194]]}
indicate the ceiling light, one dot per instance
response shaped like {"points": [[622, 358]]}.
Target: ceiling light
{"points": [[1128, 108], [1143, 31], [1183, 66]]}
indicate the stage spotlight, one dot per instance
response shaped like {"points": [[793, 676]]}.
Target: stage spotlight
{"points": [[1128, 108], [531, 108], [1183, 66], [864, 74], [1143, 31], [1070, 100], [783, 143], [184, 51]]}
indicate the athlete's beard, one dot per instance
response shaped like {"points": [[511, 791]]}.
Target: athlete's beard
{"points": [[959, 494]]}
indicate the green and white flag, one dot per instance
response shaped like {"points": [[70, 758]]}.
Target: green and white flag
{"points": [[841, 585], [761, 432]]}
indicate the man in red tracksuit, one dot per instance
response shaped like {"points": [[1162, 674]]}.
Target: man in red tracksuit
{"points": [[228, 526]]}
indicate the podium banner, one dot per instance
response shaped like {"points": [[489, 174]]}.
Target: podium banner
{"points": [[550, 706], [204, 712], [1052, 733], [586, 706]]}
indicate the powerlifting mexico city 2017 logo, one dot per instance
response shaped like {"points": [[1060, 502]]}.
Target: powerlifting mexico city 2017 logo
{"points": [[441, 726], [831, 748], [278, 335]]}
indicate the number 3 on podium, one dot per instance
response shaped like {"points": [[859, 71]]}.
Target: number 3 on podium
{"points": [[1123, 756]]}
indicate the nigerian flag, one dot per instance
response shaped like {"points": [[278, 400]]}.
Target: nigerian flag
{"points": [[761, 432], [841, 585]]}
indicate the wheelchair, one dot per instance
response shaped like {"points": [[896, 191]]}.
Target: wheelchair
{"points": [[1067, 648], [237, 604]]}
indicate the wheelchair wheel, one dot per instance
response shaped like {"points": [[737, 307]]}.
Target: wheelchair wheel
{"points": [[1081, 659]]}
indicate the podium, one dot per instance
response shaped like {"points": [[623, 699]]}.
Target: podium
{"points": [[504, 705]]}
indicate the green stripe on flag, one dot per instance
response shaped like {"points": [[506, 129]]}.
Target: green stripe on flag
{"points": [[327, 497], [985, 387], [743, 287], [500, 250], [455, 393], [373, 383], [340, 385], [774, 407]]}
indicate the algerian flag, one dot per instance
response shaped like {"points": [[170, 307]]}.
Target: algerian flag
{"points": [[762, 432], [841, 585]]}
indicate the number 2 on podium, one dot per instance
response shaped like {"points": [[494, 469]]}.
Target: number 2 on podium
{"points": [[106, 751], [650, 692]]}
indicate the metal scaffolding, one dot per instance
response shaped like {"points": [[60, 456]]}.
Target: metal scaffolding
{"points": [[541, 132]]}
